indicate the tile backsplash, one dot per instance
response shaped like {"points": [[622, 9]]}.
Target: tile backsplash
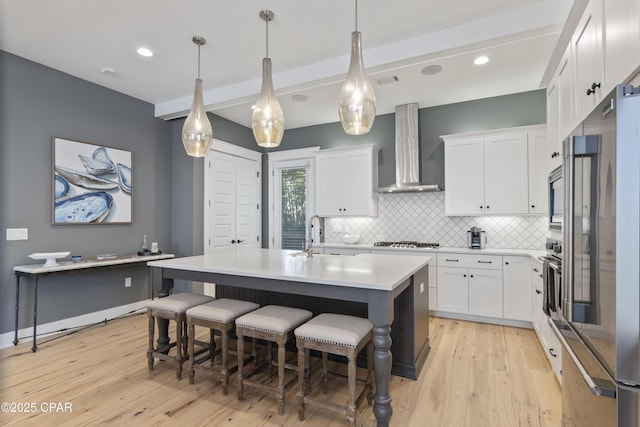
{"points": [[420, 217]]}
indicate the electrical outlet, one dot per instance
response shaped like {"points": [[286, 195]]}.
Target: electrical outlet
{"points": [[422, 287], [127, 282]]}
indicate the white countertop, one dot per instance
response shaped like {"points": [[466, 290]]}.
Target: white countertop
{"points": [[443, 249], [89, 263], [370, 271]]}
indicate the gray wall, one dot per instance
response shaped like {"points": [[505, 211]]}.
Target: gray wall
{"points": [[37, 103]]}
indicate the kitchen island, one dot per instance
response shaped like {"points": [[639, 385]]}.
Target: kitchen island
{"points": [[374, 280]]}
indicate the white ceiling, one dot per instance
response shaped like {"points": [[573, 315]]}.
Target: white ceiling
{"points": [[309, 44]]}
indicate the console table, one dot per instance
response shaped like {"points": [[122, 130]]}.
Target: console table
{"points": [[36, 271]]}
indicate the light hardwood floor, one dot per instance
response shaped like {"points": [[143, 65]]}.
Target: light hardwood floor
{"points": [[475, 375]]}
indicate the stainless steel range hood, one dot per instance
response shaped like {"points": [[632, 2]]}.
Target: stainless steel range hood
{"points": [[407, 153]]}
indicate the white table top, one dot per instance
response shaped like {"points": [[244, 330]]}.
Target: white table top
{"points": [[89, 263], [369, 271]]}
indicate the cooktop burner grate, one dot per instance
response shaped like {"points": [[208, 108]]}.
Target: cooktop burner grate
{"points": [[407, 244]]}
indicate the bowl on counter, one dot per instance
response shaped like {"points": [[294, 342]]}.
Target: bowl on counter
{"points": [[350, 238]]}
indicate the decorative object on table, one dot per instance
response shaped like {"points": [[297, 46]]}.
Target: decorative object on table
{"points": [[76, 258], [267, 120], [145, 246], [50, 257], [357, 102], [350, 238], [197, 133], [154, 248], [92, 184]]}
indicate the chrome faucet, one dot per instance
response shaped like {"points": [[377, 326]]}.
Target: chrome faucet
{"points": [[309, 249]]}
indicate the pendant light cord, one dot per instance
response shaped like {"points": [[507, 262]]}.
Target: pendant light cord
{"points": [[356, 15], [198, 61], [267, 37]]}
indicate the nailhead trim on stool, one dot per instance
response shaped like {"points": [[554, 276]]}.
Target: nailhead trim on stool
{"points": [[173, 307], [336, 334], [216, 315], [274, 324]]}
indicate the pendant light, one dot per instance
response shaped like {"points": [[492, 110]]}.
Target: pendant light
{"points": [[357, 102], [267, 120], [196, 131]]}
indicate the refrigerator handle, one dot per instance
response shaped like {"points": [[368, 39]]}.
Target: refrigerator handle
{"points": [[568, 228], [597, 386]]}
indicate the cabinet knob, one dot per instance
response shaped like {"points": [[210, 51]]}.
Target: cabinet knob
{"points": [[464, 275], [240, 241], [233, 241], [552, 353], [471, 275], [538, 292], [592, 89], [533, 206], [506, 263], [487, 206], [480, 206]]}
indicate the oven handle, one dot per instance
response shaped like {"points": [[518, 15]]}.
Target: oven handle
{"points": [[598, 389]]}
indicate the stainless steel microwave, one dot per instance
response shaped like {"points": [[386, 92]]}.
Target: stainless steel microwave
{"points": [[556, 199]]}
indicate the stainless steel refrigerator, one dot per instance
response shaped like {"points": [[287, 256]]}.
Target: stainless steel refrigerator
{"points": [[600, 322]]}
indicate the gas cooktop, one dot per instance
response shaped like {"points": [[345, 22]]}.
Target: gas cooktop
{"points": [[407, 244]]}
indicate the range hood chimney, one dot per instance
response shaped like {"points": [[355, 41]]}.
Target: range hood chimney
{"points": [[407, 154]]}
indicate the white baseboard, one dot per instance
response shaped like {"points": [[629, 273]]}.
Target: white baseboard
{"points": [[26, 334]]}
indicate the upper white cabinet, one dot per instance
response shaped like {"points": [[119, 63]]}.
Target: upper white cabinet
{"points": [[620, 40], [498, 172], [346, 181], [586, 45], [538, 170], [602, 52]]}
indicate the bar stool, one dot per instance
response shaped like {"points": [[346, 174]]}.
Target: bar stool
{"points": [[336, 334], [216, 315], [173, 307], [274, 324]]}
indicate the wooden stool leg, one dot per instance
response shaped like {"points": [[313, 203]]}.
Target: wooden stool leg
{"points": [[351, 408], [212, 345], [191, 333], [307, 366], [254, 351], [152, 324], [270, 360], [240, 367], [225, 352], [302, 378], [280, 391], [325, 372], [179, 353]]}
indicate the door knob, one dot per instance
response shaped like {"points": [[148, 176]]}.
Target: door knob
{"points": [[592, 89], [240, 241], [233, 241]]}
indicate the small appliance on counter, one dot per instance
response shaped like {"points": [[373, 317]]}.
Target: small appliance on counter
{"points": [[476, 238]]}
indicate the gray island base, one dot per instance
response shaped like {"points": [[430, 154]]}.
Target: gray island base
{"points": [[376, 285]]}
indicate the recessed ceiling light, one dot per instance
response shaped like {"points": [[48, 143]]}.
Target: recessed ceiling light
{"points": [[143, 51], [430, 70], [481, 60], [299, 97]]}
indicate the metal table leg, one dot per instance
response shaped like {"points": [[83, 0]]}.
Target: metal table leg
{"points": [[35, 317]]}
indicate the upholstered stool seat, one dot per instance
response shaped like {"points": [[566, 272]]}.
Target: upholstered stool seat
{"points": [[173, 307], [216, 315], [336, 334], [274, 324]]}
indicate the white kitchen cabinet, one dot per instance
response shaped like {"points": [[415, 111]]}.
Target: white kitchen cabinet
{"points": [[346, 182], [620, 40], [565, 106], [464, 287], [553, 123], [464, 176], [487, 173], [517, 287], [586, 45], [538, 172]]}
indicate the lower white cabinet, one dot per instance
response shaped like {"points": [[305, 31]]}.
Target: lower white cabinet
{"points": [[517, 287], [548, 340], [470, 284]]}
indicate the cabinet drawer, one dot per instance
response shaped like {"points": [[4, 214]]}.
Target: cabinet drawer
{"points": [[489, 262]]}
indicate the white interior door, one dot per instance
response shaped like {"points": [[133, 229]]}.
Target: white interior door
{"points": [[222, 214], [246, 203]]}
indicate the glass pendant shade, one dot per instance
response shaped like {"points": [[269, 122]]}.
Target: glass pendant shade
{"points": [[357, 102], [267, 120], [197, 133]]}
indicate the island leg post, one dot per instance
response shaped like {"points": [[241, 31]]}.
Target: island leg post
{"points": [[15, 336], [381, 338]]}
